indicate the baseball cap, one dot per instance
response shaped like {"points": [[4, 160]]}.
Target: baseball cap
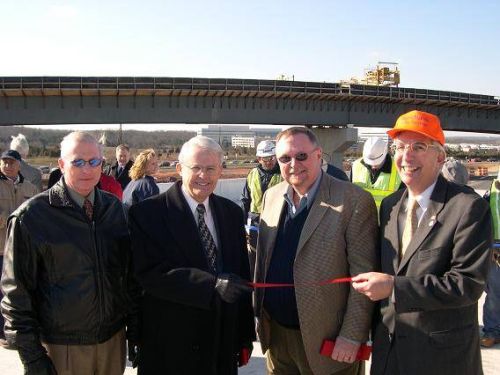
{"points": [[266, 148], [420, 122], [11, 154], [374, 151]]}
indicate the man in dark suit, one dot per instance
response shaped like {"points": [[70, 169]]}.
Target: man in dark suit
{"points": [[190, 257], [435, 239], [119, 170]]}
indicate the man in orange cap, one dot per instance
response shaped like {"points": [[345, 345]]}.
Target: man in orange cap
{"points": [[435, 239]]}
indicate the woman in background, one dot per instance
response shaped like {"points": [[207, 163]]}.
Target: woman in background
{"points": [[143, 185]]}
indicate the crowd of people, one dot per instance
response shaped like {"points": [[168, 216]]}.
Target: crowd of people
{"points": [[101, 265]]}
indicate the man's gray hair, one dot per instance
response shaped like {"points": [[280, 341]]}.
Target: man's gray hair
{"points": [[202, 142], [20, 144], [78, 137]]}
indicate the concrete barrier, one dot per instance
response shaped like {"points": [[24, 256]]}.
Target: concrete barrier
{"points": [[228, 188]]}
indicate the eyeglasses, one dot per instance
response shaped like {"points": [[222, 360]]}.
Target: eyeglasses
{"points": [[196, 169], [300, 156], [80, 163], [268, 158], [416, 147]]}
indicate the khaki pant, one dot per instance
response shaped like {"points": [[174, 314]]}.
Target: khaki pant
{"points": [[107, 358], [286, 355]]}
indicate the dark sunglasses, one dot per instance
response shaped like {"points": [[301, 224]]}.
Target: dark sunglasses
{"points": [[301, 156], [80, 163]]}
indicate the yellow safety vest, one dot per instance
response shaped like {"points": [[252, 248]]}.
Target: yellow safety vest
{"points": [[256, 194], [495, 208], [386, 183]]}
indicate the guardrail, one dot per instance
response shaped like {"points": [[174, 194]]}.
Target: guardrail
{"points": [[158, 84]]}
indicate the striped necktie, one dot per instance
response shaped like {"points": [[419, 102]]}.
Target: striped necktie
{"points": [[206, 239], [88, 208]]}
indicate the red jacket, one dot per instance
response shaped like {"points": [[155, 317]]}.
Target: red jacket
{"points": [[109, 184]]}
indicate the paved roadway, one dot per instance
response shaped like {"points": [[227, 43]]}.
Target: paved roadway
{"points": [[10, 364]]}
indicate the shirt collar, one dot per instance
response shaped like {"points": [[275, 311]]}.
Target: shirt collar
{"points": [[424, 198], [78, 198], [192, 203], [306, 200]]}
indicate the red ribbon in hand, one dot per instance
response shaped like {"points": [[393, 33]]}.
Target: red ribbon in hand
{"points": [[290, 285]]}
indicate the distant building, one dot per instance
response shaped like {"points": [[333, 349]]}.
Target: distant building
{"points": [[243, 142], [223, 134]]}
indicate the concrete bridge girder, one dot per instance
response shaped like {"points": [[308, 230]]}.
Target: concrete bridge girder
{"points": [[230, 110], [335, 141]]}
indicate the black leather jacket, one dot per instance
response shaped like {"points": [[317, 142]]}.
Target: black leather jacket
{"points": [[67, 280]]}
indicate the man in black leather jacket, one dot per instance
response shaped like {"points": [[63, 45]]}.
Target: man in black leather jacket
{"points": [[67, 279]]}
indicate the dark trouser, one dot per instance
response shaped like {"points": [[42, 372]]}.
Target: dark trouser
{"points": [[2, 322], [391, 366]]}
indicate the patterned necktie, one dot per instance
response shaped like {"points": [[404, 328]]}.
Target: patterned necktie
{"points": [[207, 239], [88, 208], [411, 224]]}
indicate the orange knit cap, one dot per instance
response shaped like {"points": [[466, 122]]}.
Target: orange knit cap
{"points": [[420, 122]]}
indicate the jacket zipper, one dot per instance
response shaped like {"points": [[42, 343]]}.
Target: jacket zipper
{"points": [[99, 279]]}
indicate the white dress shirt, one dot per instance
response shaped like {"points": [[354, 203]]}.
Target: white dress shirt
{"points": [[209, 218], [423, 204]]}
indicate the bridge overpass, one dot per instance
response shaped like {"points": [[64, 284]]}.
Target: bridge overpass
{"points": [[329, 106]]}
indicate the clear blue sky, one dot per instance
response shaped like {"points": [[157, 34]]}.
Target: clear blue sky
{"points": [[448, 45], [445, 45]]}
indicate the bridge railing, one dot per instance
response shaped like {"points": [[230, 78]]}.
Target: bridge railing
{"points": [[157, 84]]}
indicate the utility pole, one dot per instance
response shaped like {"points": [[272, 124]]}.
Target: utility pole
{"points": [[120, 135]]}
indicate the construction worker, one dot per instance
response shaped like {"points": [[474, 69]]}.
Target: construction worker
{"points": [[262, 177], [375, 172], [491, 308]]}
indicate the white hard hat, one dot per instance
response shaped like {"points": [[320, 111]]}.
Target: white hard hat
{"points": [[266, 148], [374, 151]]}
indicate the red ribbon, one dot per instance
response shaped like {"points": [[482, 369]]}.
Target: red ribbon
{"points": [[290, 285]]}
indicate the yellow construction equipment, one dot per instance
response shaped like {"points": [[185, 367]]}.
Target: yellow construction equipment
{"points": [[384, 74]]}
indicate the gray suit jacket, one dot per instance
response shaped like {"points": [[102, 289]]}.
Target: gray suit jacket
{"points": [[339, 239], [437, 284], [32, 174]]}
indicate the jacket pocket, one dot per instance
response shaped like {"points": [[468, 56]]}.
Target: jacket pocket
{"points": [[452, 337], [428, 253]]}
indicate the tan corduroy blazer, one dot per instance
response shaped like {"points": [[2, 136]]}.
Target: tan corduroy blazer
{"points": [[339, 239]]}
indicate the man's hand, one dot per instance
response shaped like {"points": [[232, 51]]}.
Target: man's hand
{"points": [[40, 366], [374, 285], [133, 353], [230, 286], [345, 351], [245, 354]]}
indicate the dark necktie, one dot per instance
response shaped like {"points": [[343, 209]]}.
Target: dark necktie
{"points": [[88, 208], [120, 170], [207, 239]]}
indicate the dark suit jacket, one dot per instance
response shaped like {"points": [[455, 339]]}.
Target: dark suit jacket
{"points": [[437, 284], [187, 328], [123, 178]]}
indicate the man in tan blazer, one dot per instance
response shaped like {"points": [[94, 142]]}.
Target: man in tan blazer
{"points": [[313, 228]]}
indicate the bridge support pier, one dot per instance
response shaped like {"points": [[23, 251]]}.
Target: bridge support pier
{"points": [[335, 141]]}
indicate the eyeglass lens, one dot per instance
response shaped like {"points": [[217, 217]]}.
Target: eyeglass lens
{"points": [[301, 156], [80, 163]]}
